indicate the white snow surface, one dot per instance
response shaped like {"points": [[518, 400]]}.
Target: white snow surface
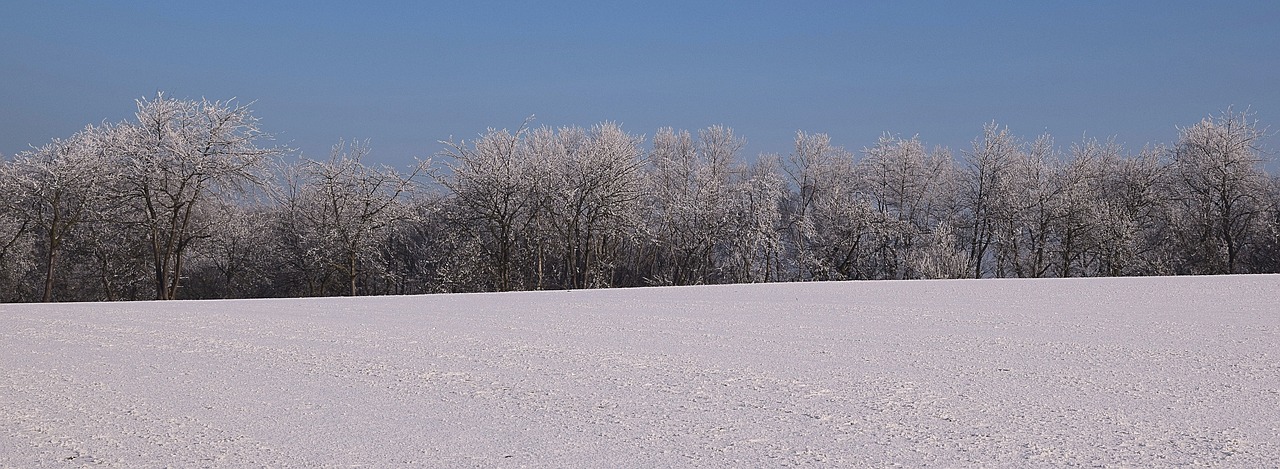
{"points": [[1143, 372]]}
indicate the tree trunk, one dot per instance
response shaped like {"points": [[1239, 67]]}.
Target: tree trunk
{"points": [[351, 266], [49, 268]]}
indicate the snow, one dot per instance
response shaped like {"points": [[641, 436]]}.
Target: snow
{"points": [[1143, 372]]}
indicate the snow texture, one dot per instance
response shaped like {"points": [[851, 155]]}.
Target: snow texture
{"points": [[1143, 372]]}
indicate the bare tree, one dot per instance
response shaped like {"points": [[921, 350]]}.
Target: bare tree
{"points": [[940, 255], [57, 186], [690, 194], [496, 182], [1265, 252], [350, 208], [179, 155], [1078, 229], [591, 194], [833, 222], [16, 244], [907, 186], [237, 260], [1029, 210], [1219, 181], [985, 196], [164, 205], [754, 246]]}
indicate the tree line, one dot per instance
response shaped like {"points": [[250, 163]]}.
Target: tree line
{"points": [[189, 199]]}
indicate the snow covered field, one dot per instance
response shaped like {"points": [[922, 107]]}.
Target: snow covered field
{"points": [[1113, 372]]}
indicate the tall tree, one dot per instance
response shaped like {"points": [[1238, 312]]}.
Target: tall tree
{"points": [[1132, 215], [16, 246], [592, 189], [688, 204], [833, 223], [986, 196], [496, 183], [754, 247], [57, 187], [352, 208], [1029, 210], [907, 186], [180, 154], [1218, 174]]}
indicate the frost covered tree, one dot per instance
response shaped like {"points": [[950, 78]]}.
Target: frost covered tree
{"points": [[1138, 205], [1029, 210], [1265, 253], [418, 246], [302, 268], [1079, 226], [939, 255], [754, 248], [495, 183], [591, 189], [1075, 221], [346, 211], [985, 194], [237, 259], [689, 197], [16, 246], [832, 221], [57, 187], [177, 157], [166, 202], [909, 188], [1219, 184]]}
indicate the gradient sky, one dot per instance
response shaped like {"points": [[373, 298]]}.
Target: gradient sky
{"points": [[407, 74]]}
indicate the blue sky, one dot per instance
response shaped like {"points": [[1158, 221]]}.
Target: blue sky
{"points": [[407, 74]]}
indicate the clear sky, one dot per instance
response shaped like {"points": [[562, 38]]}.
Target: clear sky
{"points": [[407, 74]]}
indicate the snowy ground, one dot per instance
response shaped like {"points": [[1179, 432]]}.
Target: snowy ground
{"points": [[1113, 372]]}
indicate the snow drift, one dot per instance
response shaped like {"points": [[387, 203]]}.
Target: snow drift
{"points": [[1136, 372]]}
